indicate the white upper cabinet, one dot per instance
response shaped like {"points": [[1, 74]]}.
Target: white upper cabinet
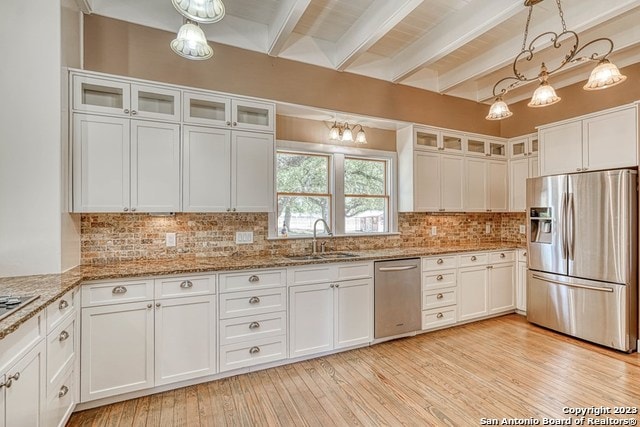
{"points": [[483, 147], [485, 185], [121, 98], [252, 159], [438, 140], [523, 164], [221, 111], [522, 147], [604, 140]]}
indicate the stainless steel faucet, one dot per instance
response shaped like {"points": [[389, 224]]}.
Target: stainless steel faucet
{"points": [[314, 245]]}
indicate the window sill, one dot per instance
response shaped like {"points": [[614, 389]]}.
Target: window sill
{"points": [[324, 236]]}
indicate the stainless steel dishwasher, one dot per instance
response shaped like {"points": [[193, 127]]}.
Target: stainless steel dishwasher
{"points": [[397, 297]]}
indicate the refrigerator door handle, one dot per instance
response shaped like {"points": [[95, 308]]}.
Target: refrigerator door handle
{"points": [[570, 227], [563, 226], [574, 285]]}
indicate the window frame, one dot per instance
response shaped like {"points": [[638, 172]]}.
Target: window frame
{"points": [[337, 155], [386, 196]]}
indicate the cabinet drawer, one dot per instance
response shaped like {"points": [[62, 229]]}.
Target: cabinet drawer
{"points": [[522, 255], [249, 328], [18, 343], [60, 351], [473, 259], [439, 279], [506, 256], [58, 310], [60, 401], [438, 317], [116, 292], [252, 280], [185, 286], [248, 303], [438, 263], [443, 298], [241, 355], [311, 274], [349, 271]]}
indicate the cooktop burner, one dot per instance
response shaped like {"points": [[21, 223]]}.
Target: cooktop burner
{"points": [[11, 303]]}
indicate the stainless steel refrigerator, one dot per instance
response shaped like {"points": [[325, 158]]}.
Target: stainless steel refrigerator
{"points": [[582, 246]]}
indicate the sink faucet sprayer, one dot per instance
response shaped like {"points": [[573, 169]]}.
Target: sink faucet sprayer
{"points": [[314, 245]]}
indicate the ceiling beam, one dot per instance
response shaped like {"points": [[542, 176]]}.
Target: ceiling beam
{"points": [[454, 32], [370, 27], [286, 19], [581, 17], [85, 6]]}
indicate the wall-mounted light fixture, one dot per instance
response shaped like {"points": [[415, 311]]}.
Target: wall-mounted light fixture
{"points": [[343, 132]]}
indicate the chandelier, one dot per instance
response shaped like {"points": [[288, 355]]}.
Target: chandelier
{"points": [[343, 132], [191, 43], [603, 76]]}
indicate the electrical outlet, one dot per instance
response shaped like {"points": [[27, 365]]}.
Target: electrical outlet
{"points": [[244, 237], [170, 240], [434, 231], [523, 229], [487, 228]]}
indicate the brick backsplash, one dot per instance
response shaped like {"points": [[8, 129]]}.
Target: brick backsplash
{"points": [[121, 237]]}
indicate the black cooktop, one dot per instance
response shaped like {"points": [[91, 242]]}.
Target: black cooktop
{"points": [[9, 304]]}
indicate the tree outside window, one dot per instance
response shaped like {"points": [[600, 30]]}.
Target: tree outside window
{"points": [[366, 198]]}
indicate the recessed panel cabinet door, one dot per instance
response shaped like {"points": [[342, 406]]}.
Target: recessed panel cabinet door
{"points": [[561, 149], [311, 319], [452, 182], [518, 189], [100, 163], [252, 172], [501, 286], [25, 399], [611, 140], [476, 185], [427, 181], [155, 166], [497, 183], [472, 293], [354, 312], [206, 179]]}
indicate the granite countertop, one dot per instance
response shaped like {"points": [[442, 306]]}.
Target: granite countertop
{"points": [[52, 286]]}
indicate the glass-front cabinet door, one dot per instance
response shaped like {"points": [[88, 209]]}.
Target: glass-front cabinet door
{"points": [[518, 148], [250, 115], [426, 139], [475, 147], [533, 146], [155, 102], [101, 96], [452, 143], [497, 149], [206, 109]]}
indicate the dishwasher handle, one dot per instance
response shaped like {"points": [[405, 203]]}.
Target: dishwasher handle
{"points": [[399, 268]]}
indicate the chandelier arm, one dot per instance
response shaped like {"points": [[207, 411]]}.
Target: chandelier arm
{"points": [[595, 56], [504, 90]]}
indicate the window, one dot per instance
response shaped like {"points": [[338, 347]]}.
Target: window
{"points": [[352, 191], [303, 192], [365, 196]]}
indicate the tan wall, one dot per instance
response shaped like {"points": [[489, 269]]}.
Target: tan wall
{"points": [[303, 130], [118, 47], [575, 102]]}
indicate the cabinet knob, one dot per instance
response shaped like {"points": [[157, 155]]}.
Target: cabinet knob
{"points": [[126, 111], [64, 335], [63, 304], [158, 304], [254, 279], [439, 277], [133, 209], [134, 112], [524, 254], [254, 300], [187, 284], [332, 285], [126, 209], [578, 169], [337, 285], [502, 255], [439, 261], [233, 210], [228, 209], [488, 155], [14, 377], [439, 296], [439, 315], [149, 305], [119, 290], [254, 350], [63, 391], [228, 123], [473, 258], [585, 169], [254, 325], [441, 210], [235, 123]]}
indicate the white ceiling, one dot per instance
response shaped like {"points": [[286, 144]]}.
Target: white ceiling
{"points": [[455, 47]]}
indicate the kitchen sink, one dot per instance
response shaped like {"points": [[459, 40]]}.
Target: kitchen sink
{"points": [[326, 255]]}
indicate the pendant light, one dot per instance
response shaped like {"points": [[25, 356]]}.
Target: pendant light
{"points": [[545, 94], [191, 42], [203, 11]]}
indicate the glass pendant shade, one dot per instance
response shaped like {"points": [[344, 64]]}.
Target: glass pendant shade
{"points": [[543, 96], [603, 76], [499, 110], [203, 11], [191, 43], [347, 135], [334, 133], [361, 138]]}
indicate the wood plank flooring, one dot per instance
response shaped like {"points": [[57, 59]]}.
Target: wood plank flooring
{"points": [[498, 368]]}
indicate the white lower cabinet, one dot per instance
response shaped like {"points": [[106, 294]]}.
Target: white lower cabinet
{"points": [[473, 293], [330, 315], [61, 401], [185, 338], [521, 282], [502, 290]]}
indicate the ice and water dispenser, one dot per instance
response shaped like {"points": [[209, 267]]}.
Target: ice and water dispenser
{"points": [[541, 225]]}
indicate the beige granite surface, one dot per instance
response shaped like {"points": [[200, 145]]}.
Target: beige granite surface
{"points": [[51, 287]]}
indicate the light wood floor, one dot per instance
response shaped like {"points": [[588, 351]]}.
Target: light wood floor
{"points": [[497, 368]]}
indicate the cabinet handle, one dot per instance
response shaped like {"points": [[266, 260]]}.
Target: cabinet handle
{"points": [[228, 123], [524, 254], [337, 285], [119, 290], [134, 112], [254, 350], [585, 169], [187, 284], [502, 255], [235, 123], [254, 300], [254, 279], [158, 304], [439, 296], [439, 315], [64, 335], [228, 209], [126, 209], [233, 210], [126, 111], [254, 325], [332, 285], [489, 266], [133, 209], [473, 258], [149, 305], [488, 154], [439, 261], [441, 210], [578, 169], [439, 277], [3, 385], [14, 377], [63, 391], [63, 304]]}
